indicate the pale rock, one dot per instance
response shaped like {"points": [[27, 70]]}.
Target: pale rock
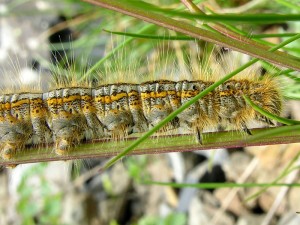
{"points": [[235, 166], [269, 156], [73, 208], [120, 179], [178, 165], [289, 153], [236, 206], [247, 192], [215, 156], [110, 209], [294, 199], [255, 150], [294, 108], [251, 219], [188, 193], [266, 200], [203, 213], [171, 197], [155, 195], [289, 218]]}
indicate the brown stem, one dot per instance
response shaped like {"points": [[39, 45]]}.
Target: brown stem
{"points": [[161, 144]]}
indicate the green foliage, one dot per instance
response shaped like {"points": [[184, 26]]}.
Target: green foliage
{"points": [[136, 168], [94, 19], [171, 219], [45, 209]]}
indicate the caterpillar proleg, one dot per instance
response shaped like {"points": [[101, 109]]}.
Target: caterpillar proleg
{"points": [[66, 115]]}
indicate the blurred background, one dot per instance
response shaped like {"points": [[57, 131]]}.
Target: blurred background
{"points": [[38, 37]]}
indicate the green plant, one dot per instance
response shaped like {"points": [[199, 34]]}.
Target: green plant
{"points": [[216, 28], [34, 210]]}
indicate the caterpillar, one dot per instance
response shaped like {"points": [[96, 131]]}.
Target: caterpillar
{"points": [[65, 115]]}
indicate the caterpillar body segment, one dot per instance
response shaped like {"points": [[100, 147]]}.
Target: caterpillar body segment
{"points": [[136, 109], [95, 128], [202, 114], [70, 114], [113, 103], [39, 115], [68, 122], [159, 99]]}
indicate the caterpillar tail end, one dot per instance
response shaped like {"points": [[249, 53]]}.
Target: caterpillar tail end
{"points": [[199, 136]]}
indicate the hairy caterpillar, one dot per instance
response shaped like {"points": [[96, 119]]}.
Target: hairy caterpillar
{"points": [[66, 115]]}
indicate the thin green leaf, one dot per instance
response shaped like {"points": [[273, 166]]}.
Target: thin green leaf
{"points": [[148, 36], [295, 78], [237, 18], [284, 72], [270, 115], [293, 92], [288, 4], [274, 132], [272, 35]]}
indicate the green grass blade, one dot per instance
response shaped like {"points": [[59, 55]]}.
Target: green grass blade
{"points": [[272, 35], [274, 132], [293, 91], [155, 37], [288, 4], [237, 18], [270, 115]]}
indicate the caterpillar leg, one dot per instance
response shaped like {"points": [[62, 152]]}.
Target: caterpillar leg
{"points": [[67, 132], [245, 129], [199, 136], [266, 120]]}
